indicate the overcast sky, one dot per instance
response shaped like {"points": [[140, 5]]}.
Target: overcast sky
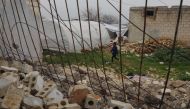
{"points": [[105, 7]]}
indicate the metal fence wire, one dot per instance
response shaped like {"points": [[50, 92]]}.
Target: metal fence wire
{"points": [[19, 24]]}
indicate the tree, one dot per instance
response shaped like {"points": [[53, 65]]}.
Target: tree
{"points": [[105, 18]]}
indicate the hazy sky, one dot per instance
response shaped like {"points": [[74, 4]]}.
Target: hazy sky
{"points": [[105, 7]]}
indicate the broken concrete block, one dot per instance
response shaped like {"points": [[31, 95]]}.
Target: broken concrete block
{"points": [[31, 102], [48, 87], [26, 68], [53, 107], [13, 98], [36, 82], [120, 105], [58, 103], [78, 93], [72, 106], [93, 101], [14, 78], [9, 69], [4, 85], [56, 94]]}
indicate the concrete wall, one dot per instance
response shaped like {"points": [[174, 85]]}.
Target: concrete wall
{"points": [[163, 24]]}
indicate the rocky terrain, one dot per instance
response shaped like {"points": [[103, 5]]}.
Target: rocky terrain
{"points": [[24, 86]]}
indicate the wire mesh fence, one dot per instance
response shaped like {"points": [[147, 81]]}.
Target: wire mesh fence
{"points": [[24, 37]]}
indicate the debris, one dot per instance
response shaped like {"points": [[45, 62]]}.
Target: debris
{"points": [[167, 91], [4, 85], [31, 102], [9, 69], [72, 106], [13, 98], [78, 94], [93, 102], [120, 105]]}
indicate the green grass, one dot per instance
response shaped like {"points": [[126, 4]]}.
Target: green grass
{"points": [[130, 63]]}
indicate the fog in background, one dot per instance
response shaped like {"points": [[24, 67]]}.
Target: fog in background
{"points": [[105, 7]]}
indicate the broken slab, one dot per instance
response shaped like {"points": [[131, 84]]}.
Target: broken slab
{"points": [[120, 105], [4, 85], [178, 83], [78, 93], [167, 91], [72, 106], [13, 98], [56, 94], [31, 102], [8, 69]]}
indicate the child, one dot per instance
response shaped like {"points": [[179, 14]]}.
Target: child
{"points": [[114, 51]]}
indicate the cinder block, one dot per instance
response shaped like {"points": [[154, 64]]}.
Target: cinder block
{"points": [[36, 82], [49, 87], [58, 103], [93, 102], [13, 98], [119, 105]]}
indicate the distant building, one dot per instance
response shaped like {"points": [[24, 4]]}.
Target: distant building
{"points": [[161, 22]]}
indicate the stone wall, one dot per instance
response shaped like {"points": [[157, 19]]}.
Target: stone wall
{"points": [[161, 24]]}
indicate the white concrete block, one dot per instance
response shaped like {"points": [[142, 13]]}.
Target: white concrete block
{"points": [[9, 69], [120, 105], [56, 94], [36, 82], [72, 106], [31, 102]]}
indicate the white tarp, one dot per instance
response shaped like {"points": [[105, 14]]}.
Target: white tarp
{"points": [[67, 36], [13, 34], [115, 28]]}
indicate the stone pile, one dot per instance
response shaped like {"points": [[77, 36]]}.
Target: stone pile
{"points": [[150, 45], [23, 88]]}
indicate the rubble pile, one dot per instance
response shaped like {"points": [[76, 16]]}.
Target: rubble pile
{"points": [[150, 45], [23, 88]]}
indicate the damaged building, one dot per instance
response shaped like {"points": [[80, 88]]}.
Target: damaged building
{"points": [[161, 22]]}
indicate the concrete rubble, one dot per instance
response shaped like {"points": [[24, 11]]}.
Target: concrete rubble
{"points": [[23, 88]]}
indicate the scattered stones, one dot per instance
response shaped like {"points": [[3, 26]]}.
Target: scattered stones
{"points": [[178, 83], [167, 91], [182, 90]]}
